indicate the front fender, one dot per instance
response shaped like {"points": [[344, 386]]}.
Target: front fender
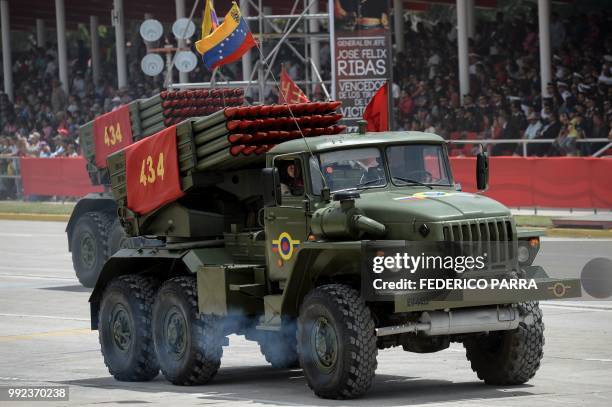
{"points": [[316, 261]]}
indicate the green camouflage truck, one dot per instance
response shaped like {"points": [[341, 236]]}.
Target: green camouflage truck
{"points": [[274, 247]]}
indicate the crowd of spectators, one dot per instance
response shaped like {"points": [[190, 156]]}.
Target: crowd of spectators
{"points": [[505, 100]]}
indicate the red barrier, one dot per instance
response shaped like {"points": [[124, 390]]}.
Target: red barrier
{"points": [[61, 176], [555, 182]]}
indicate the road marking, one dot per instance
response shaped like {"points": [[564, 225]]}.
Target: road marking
{"points": [[599, 360], [65, 332], [38, 277], [44, 317], [4, 234]]}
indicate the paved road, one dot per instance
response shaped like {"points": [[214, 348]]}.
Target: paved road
{"points": [[45, 340]]}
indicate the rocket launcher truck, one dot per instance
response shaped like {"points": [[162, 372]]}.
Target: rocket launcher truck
{"points": [[94, 231], [267, 223]]}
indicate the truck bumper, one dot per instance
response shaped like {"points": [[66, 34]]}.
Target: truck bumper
{"points": [[547, 289]]}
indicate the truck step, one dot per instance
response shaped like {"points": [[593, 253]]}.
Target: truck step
{"points": [[255, 289]]}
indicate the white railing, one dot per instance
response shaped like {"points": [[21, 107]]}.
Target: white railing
{"points": [[524, 143]]}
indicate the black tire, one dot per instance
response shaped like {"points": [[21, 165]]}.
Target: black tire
{"points": [[189, 345], [89, 243], [280, 348], [125, 328], [509, 357], [336, 315], [116, 235]]}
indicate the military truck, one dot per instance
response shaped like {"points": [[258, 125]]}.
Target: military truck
{"points": [[94, 231], [272, 247]]}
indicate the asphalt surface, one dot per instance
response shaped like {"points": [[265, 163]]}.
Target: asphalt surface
{"points": [[45, 340]]}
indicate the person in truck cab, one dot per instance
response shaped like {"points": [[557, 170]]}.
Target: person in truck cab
{"points": [[292, 182]]}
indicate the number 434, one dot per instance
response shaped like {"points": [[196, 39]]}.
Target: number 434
{"points": [[149, 172]]}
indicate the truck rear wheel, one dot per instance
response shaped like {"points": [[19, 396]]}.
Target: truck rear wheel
{"points": [[189, 345], [125, 328], [116, 236], [336, 342], [90, 248], [509, 357], [280, 348]]}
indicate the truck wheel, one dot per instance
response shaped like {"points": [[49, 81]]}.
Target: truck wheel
{"points": [[116, 235], [280, 348], [90, 247], [509, 357], [189, 345], [336, 342], [125, 328]]}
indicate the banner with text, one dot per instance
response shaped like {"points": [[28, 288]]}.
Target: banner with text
{"points": [[362, 54]]}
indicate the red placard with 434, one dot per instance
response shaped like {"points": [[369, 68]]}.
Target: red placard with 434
{"points": [[152, 174], [112, 132]]}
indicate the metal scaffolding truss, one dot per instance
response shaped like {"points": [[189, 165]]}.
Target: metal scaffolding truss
{"points": [[273, 33]]}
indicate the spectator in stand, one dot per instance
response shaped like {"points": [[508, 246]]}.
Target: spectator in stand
{"points": [[508, 131], [504, 77], [531, 132]]}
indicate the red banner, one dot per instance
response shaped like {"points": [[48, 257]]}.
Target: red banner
{"points": [[551, 182], [152, 175], [65, 176], [112, 132]]}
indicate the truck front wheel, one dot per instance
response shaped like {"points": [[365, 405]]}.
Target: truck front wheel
{"points": [[125, 328], [189, 345], [336, 342], [89, 243], [509, 357]]}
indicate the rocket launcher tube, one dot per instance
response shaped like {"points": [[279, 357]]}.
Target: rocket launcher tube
{"points": [[211, 134], [213, 160], [152, 111], [213, 147], [151, 121], [147, 103], [210, 121]]}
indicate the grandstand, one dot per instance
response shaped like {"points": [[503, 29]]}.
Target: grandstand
{"points": [[473, 71]]}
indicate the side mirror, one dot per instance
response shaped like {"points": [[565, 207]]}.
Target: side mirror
{"points": [[272, 187], [482, 171]]}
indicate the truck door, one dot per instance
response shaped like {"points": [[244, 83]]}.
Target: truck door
{"points": [[285, 224]]}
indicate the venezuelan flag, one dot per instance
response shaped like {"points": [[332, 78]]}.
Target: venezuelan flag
{"points": [[228, 42]]}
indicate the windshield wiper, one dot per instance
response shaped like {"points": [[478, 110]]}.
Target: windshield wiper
{"points": [[411, 181], [360, 185], [372, 181]]}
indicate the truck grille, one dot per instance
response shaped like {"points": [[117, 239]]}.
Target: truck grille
{"points": [[494, 230], [496, 234]]}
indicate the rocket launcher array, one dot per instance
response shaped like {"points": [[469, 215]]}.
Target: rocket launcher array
{"points": [[172, 107], [149, 116], [224, 139], [231, 139]]}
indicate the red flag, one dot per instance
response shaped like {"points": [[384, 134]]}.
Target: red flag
{"points": [[377, 111], [290, 93]]}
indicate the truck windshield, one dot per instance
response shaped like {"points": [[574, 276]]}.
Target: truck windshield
{"points": [[357, 168], [418, 164]]}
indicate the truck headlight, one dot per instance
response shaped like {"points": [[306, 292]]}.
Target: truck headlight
{"points": [[527, 250]]}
